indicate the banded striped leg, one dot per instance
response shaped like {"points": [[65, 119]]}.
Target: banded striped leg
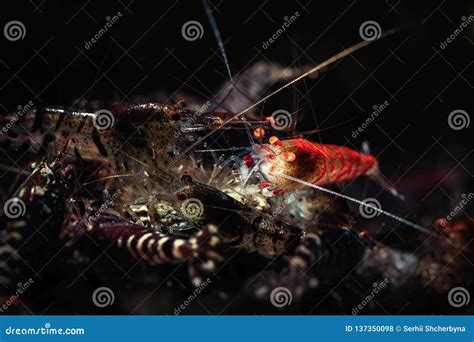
{"points": [[317, 259], [205, 258], [155, 248]]}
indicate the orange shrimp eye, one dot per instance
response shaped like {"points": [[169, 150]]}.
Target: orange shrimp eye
{"points": [[273, 139], [259, 132], [181, 196]]}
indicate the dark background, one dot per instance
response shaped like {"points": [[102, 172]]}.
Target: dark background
{"points": [[144, 53]]}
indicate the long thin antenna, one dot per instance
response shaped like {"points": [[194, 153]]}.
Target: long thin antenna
{"points": [[225, 149], [324, 64], [217, 34], [220, 43], [371, 207]]}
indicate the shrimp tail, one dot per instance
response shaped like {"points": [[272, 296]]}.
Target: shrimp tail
{"points": [[377, 177]]}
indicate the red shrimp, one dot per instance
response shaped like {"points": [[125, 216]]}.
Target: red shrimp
{"points": [[297, 163], [314, 163]]}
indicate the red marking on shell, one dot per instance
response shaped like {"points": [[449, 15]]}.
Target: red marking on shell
{"points": [[248, 160], [278, 191], [186, 176], [181, 196], [289, 156]]}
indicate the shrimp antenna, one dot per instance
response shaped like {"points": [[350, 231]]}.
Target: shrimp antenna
{"points": [[225, 149], [217, 34], [371, 207], [110, 177], [331, 60], [220, 43]]}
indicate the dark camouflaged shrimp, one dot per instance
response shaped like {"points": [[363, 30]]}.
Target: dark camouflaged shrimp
{"points": [[109, 135], [238, 225], [32, 221]]}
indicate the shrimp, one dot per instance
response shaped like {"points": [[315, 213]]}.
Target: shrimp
{"points": [[109, 135], [297, 163], [40, 199], [318, 164], [253, 230]]}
